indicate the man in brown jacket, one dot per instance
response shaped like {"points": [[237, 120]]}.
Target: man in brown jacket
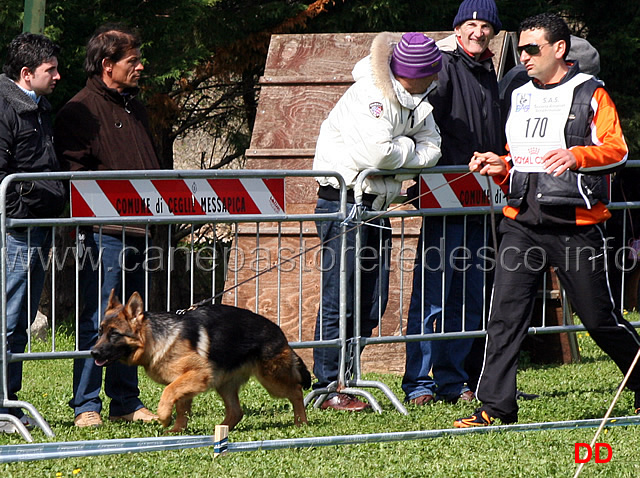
{"points": [[104, 127]]}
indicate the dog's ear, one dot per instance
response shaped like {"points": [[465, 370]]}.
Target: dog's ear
{"points": [[135, 306], [113, 300]]}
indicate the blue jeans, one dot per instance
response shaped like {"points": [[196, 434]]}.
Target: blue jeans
{"points": [[445, 358], [121, 381], [374, 291], [19, 245]]}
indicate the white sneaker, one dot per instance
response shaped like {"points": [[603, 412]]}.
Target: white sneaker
{"points": [[8, 427]]}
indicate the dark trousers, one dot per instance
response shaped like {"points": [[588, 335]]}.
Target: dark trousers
{"points": [[580, 257]]}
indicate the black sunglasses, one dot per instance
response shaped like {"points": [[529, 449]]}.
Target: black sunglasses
{"points": [[531, 48]]}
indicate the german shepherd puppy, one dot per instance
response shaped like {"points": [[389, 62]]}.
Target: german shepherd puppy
{"points": [[211, 347]]}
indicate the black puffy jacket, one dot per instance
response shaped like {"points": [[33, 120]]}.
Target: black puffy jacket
{"points": [[466, 107], [26, 146]]}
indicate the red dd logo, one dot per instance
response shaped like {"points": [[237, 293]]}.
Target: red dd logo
{"points": [[591, 453]]}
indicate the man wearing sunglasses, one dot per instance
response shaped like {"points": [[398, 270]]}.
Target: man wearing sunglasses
{"points": [[581, 50], [563, 136]]}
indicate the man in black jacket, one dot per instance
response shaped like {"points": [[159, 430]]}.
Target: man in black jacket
{"points": [[467, 111], [26, 146]]}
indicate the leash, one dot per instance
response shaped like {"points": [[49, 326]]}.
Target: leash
{"points": [[351, 215]]}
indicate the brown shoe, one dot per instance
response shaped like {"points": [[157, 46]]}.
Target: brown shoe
{"points": [[342, 401], [87, 419], [422, 399], [140, 415], [467, 396]]}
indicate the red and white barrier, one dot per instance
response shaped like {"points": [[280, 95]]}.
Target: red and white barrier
{"points": [[176, 197], [455, 190]]}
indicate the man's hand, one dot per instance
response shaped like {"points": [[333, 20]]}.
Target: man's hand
{"points": [[487, 164], [558, 161]]}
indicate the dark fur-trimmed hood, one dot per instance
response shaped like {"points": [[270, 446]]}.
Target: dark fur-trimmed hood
{"points": [[18, 99]]}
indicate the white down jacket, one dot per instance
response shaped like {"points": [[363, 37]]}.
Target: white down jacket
{"points": [[377, 124]]}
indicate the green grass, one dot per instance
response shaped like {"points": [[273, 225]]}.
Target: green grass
{"points": [[568, 392]]}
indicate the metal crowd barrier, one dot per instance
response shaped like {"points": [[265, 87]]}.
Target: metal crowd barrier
{"points": [[251, 269], [245, 286], [354, 380]]}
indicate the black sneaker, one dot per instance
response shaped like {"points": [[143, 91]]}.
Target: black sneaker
{"points": [[478, 419]]}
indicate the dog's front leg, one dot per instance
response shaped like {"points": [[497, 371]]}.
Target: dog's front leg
{"points": [[185, 387], [165, 407], [183, 411]]}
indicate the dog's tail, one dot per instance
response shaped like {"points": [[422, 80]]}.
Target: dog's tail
{"points": [[305, 376]]}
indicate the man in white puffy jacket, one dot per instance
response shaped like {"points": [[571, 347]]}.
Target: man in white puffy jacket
{"points": [[384, 120]]}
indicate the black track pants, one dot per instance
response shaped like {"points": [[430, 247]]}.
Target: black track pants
{"points": [[579, 255]]}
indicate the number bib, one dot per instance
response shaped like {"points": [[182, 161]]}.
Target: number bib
{"points": [[536, 122]]}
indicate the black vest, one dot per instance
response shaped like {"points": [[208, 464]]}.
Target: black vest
{"points": [[570, 188]]}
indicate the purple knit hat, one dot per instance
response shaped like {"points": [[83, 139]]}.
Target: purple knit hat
{"points": [[416, 56]]}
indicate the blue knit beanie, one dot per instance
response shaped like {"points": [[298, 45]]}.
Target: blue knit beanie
{"points": [[478, 10]]}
